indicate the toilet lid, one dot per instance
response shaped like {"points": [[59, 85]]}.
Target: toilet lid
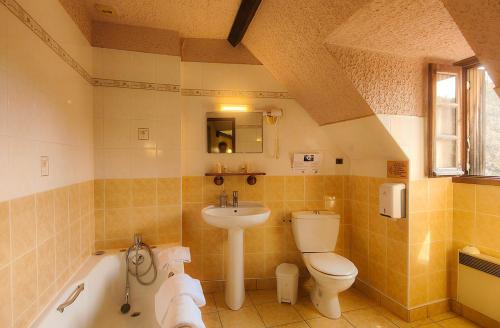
{"points": [[332, 264]]}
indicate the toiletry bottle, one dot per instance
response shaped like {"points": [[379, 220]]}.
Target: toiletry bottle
{"points": [[223, 199]]}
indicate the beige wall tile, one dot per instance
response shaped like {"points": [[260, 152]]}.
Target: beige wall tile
{"points": [[4, 233], [143, 220], [75, 230], [118, 223], [23, 225]]}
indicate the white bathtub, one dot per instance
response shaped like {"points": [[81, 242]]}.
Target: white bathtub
{"points": [[98, 305]]}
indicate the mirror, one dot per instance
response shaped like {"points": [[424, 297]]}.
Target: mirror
{"points": [[234, 132]]}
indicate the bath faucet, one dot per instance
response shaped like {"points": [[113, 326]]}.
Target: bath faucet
{"points": [[137, 240], [235, 199]]}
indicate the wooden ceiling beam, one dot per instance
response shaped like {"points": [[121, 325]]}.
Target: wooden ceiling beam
{"points": [[243, 18]]}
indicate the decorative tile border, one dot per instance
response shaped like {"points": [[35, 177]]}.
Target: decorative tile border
{"points": [[135, 85], [235, 93], [36, 28]]}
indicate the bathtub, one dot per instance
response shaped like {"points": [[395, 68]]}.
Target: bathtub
{"points": [[98, 305]]}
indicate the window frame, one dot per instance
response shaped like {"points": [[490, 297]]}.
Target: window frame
{"points": [[434, 69], [465, 65]]}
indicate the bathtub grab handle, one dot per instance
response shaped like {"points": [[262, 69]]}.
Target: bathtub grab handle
{"points": [[74, 295]]}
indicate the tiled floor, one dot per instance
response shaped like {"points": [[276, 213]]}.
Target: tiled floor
{"points": [[262, 310]]}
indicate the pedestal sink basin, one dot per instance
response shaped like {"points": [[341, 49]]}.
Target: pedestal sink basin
{"points": [[235, 220]]}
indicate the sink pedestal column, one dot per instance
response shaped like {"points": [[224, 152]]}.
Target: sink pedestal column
{"points": [[235, 288]]}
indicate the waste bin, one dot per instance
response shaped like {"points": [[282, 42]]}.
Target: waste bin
{"points": [[287, 281]]}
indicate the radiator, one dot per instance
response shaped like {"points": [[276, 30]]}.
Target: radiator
{"points": [[479, 283]]}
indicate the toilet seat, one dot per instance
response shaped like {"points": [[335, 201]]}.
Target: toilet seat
{"points": [[331, 264]]}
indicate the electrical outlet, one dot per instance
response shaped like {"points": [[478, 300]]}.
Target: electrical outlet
{"points": [[44, 166], [339, 161], [143, 134]]}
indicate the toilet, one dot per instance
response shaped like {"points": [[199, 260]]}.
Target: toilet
{"points": [[315, 235]]}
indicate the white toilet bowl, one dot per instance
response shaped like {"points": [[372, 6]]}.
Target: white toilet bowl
{"points": [[332, 275], [315, 235]]}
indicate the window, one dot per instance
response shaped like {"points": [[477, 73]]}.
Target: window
{"points": [[464, 121]]}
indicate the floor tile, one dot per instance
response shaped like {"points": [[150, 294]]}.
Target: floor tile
{"points": [[430, 325], [301, 324], [400, 322], [246, 317], [306, 308], [368, 318], [210, 306], [220, 301], [328, 323], [274, 314], [443, 316], [457, 322], [263, 296], [354, 300], [211, 320]]}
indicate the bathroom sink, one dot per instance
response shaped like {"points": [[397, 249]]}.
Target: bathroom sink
{"points": [[246, 215], [235, 220]]}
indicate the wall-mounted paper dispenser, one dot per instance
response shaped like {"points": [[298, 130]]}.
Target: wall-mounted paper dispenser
{"points": [[392, 200]]}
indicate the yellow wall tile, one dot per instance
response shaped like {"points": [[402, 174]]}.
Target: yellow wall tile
{"points": [[437, 193], [294, 188], [334, 186], [144, 192], [419, 195], [24, 283], [44, 216], [5, 290], [99, 194], [46, 265], [314, 187], [464, 196], [192, 191], [274, 188], [61, 209], [74, 203], [4, 233], [488, 231], [169, 191], [118, 193], [488, 199], [464, 226], [23, 225], [418, 287]]}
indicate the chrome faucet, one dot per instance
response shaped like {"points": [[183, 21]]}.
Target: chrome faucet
{"points": [[235, 199]]}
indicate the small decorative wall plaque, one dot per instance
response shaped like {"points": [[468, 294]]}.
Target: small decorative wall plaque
{"points": [[397, 169], [143, 133]]}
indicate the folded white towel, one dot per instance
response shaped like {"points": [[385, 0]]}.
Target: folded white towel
{"points": [[178, 285], [183, 312], [173, 254]]}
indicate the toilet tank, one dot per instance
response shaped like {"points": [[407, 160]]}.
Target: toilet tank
{"points": [[315, 232]]}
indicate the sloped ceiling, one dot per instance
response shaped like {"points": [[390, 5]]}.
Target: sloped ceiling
{"points": [[479, 22], [328, 53]]}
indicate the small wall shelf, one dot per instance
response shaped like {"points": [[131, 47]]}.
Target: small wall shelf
{"points": [[219, 177]]}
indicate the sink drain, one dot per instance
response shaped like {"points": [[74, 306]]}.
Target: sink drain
{"points": [[135, 314]]}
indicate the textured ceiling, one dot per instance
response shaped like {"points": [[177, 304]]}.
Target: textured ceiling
{"points": [[288, 40], [479, 22], [406, 28], [192, 18]]}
